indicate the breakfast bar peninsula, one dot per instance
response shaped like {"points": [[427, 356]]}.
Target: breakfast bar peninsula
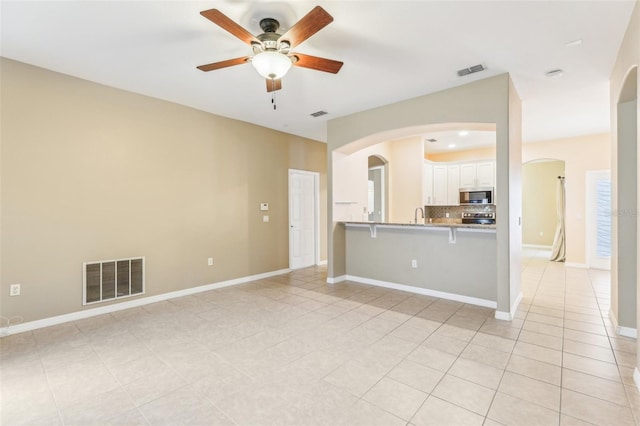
{"points": [[447, 260]]}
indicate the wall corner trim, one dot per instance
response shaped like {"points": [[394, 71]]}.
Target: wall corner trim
{"points": [[88, 313], [621, 330], [335, 280], [504, 316], [636, 378], [509, 316]]}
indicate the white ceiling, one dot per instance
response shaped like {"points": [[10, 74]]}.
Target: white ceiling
{"points": [[392, 50], [458, 140]]}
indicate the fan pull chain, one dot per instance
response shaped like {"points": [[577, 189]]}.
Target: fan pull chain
{"points": [[273, 93]]}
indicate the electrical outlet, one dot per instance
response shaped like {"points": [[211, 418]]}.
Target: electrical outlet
{"points": [[414, 263], [265, 218], [210, 261], [14, 290]]}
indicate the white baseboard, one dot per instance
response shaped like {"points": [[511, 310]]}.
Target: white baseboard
{"points": [[576, 265], [621, 330], [87, 313], [322, 262], [335, 280], [636, 378], [509, 316], [538, 246], [504, 316], [425, 291], [627, 332]]}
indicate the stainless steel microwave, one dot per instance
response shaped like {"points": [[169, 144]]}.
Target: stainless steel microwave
{"points": [[473, 196]]}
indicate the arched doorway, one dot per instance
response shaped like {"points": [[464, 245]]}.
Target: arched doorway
{"points": [[378, 197], [539, 202]]}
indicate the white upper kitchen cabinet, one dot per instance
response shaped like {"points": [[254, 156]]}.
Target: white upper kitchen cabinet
{"points": [[439, 185], [468, 175], [477, 175], [453, 185], [427, 184], [486, 174]]}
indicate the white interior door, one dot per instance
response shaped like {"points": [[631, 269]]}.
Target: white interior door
{"points": [[303, 218], [598, 219]]}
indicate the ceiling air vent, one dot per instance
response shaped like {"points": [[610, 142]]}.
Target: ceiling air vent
{"points": [[471, 70], [319, 113], [431, 140]]}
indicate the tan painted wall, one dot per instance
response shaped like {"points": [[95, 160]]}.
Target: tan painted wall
{"points": [[406, 167], [91, 172], [539, 204], [580, 154]]}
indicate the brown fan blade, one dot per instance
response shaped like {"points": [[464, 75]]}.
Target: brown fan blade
{"points": [[226, 23], [273, 85], [315, 63], [224, 64], [310, 24]]}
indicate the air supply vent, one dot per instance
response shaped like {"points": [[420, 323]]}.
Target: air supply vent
{"points": [[112, 279], [471, 70], [319, 113], [431, 140]]}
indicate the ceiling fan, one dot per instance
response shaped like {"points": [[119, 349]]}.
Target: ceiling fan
{"points": [[272, 56]]}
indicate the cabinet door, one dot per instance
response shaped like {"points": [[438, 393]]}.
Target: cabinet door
{"points": [[427, 184], [439, 185], [468, 175], [453, 185], [486, 174]]}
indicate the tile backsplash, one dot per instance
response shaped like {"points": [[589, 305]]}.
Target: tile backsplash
{"points": [[455, 212]]}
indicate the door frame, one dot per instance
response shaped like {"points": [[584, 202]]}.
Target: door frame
{"points": [[316, 212], [383, 186]]}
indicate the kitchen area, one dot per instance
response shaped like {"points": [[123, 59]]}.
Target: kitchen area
{"points": [[472, 263], [425, 219]]}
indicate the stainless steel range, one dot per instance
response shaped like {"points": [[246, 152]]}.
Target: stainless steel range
{"points": [[479, 218]]}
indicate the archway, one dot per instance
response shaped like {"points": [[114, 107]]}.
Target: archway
{"points": [[625, 206], [378, 195], [539, 202]]}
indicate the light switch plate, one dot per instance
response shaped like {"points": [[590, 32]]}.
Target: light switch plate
{"points": [[265, 218]]}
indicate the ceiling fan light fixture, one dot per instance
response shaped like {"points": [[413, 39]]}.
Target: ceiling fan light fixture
{"points": [[271, 64]]}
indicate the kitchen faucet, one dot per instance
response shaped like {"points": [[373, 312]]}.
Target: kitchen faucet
{"points": [[415, 214]]}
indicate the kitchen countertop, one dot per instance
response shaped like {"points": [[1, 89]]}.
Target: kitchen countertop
{"points": [[449, 224]]}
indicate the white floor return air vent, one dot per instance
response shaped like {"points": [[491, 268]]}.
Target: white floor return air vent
{"points": [[112, 279]]}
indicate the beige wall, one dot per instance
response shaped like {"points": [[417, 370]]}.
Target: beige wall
{"points": [[539, 206], [580, 154], [91, 173]]}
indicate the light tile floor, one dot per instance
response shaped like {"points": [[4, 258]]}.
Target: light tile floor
{"points": [[293, 350]]}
